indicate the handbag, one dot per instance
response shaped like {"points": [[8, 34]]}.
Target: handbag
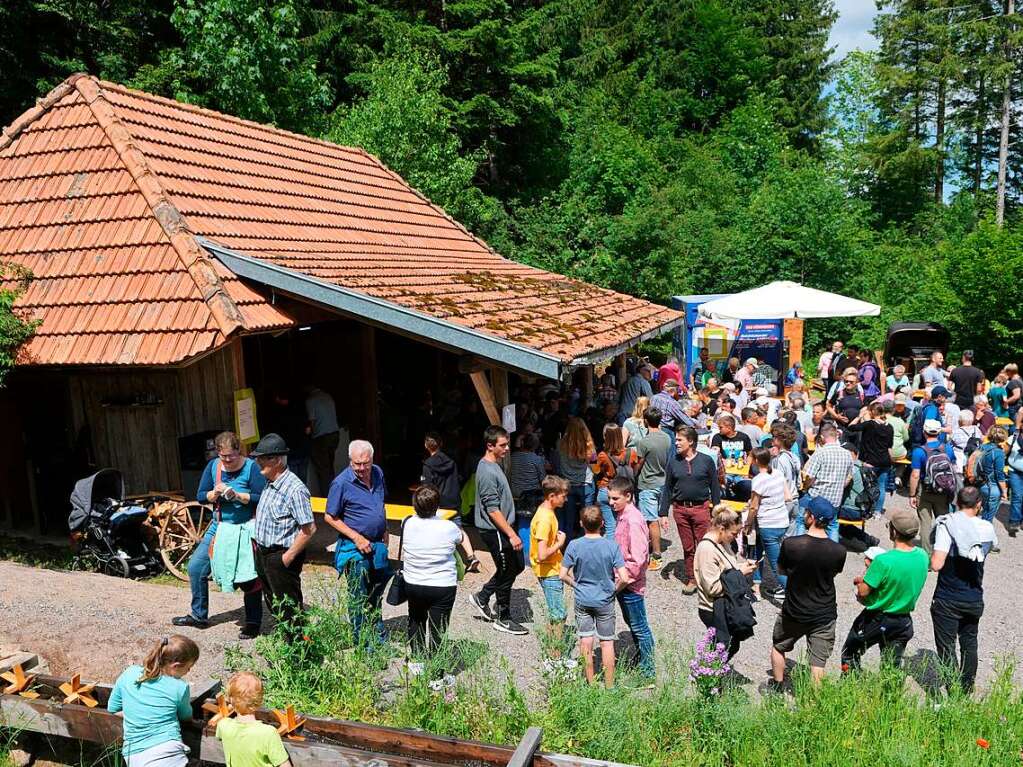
{"points": [[396, 593]]}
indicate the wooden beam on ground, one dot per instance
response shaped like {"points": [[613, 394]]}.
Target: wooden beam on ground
{"points": [[486, 395], [527, 748]]}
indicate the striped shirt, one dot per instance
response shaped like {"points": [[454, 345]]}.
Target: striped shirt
{"points": [[527, 472], [830, 467], [283, 508]]}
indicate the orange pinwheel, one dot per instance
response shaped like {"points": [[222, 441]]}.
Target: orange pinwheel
{"points": [[289, 723], [77, 692], [220, 710], [18, 682]]}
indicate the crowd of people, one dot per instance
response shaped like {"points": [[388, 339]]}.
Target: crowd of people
{"points": [[757, 481]]}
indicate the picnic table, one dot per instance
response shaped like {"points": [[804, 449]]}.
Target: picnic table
{"points": [[738, 471]]}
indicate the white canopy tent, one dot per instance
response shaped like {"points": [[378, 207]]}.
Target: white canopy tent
{"points": [[785, 300]]}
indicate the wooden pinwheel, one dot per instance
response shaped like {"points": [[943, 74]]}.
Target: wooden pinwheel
{"points": [[220, 710], [289, 723], [18, 682], [77, 692]]}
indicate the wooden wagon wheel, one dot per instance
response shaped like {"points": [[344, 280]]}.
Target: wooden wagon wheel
{"points": [[180, 530]]}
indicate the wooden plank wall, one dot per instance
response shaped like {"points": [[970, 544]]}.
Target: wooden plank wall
{"points": [[142, 441]]}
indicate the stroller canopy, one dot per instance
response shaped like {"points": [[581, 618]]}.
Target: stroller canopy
{"points": [[105, 483]]}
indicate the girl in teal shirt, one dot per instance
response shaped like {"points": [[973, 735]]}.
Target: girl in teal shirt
{"points": [[154, 700]]}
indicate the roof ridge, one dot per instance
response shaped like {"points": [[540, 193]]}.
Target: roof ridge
{"points": [[186, 106], [42, 105], [225, 312]]}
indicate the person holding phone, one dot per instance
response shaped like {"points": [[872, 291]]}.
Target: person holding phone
{"points": [[232, 484]]}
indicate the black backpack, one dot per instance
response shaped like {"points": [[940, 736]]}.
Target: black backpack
{"points": [[866, 499], [735, 605]]}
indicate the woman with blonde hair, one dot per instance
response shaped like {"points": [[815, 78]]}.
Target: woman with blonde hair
{"points": [[714, 555], [634, 429], [576, 452], [154, 699], [989, 473]]}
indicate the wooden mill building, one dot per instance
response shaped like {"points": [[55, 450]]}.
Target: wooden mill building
{"points": [[179, 255]]}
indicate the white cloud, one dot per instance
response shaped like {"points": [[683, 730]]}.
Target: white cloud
{"points": [[852, 29]]}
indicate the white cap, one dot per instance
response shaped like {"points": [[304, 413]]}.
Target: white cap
{"points": [[762, 400], [932, 426], [761, 392], [751, 361], [729, 386]]}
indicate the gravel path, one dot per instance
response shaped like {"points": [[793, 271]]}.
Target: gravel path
{"points": [[98, 624]]}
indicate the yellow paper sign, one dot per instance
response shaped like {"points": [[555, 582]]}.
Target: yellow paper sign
{"points": [[245, 425]]}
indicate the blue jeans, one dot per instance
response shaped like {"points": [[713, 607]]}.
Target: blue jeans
{"points": [[885, 479], [1015, 497], [568, 515], [769, 547], [198, 578], [554, 596], [607, 513], [991, 494], [634, 611], [801, 528], [365, 595]]}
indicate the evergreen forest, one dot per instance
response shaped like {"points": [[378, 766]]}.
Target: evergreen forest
{"points": [[656, 148]]}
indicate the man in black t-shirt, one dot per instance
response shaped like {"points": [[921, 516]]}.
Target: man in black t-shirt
{"points": [[967, 377], [811, 562], [845, 404], [734, 447]]}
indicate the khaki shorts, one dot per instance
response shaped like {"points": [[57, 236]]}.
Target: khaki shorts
{"points": [[820, 639]]}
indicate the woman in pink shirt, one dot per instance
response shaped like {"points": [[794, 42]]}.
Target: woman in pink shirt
{"points": [[633, 537], [670, 370]]}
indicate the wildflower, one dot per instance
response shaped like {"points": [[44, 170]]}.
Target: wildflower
{"points": [[449, 696], [305, 638], [983, 743], [437, 685]]}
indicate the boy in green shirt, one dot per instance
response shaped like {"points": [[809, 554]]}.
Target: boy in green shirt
{"points": [[247, 741], [889, 591]]}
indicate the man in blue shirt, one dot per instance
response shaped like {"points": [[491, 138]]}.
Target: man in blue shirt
{"points": [[929, 502], [355, 508]]}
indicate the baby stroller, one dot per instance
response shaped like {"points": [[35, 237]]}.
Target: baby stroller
{"points": [[107, 534]]}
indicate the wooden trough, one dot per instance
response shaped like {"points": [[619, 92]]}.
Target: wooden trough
{"points": [[323, 743]]}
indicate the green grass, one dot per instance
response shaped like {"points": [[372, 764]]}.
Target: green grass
{"points": [[874, 719], [25, 551]]}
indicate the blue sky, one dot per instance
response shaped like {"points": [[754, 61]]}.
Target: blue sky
{"points": [[852, 30]]}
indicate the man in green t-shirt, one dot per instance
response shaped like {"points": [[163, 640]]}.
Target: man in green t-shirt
{"points": [[888, 590]]}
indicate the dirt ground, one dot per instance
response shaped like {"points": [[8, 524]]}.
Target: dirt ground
{"points": [[98, 624]]}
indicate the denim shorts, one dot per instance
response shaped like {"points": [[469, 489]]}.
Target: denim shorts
{"points": [[599, 621], [649, 503], [554, 594]]}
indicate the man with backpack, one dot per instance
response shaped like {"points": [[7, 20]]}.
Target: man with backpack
{"points": [[962, 542], [932, 482]]}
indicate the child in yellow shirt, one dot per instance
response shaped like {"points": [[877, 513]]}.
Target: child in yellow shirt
{"points": [[546, 543], [247, 741]]}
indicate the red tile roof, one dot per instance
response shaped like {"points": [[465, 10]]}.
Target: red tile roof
{"points": [[103, 191]]}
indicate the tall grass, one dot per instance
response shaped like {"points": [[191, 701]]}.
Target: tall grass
{"points": [[873, 719]]}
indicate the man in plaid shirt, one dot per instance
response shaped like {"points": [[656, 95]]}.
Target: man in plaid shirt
{"points": [[284, 526], [827, 472]]}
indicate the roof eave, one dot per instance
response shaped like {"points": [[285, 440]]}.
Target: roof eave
{"points": [[397, 318], [597, 355]]}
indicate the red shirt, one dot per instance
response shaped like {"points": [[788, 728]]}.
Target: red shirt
{"points": [[669, 370]]}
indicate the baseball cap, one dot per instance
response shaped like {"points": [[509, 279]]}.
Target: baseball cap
{"points": [[939, 391], [900, 399], [873, 552], [751, 361], [729, 386], [932, 426], [822, 509], [905, 521]]}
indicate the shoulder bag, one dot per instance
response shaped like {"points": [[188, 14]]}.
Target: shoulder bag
{"points": [[396, 594]]}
